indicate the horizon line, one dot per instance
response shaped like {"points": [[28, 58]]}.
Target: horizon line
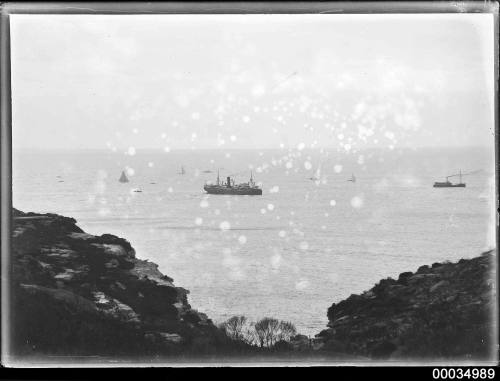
{"points": [[124, 149]]}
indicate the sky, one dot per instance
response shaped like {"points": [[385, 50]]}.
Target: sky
{"points": [[128, 82]]}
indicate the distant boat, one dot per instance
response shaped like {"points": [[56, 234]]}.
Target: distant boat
{"points": [[182, 171], [123, 178], [352, 179], [230, 187], [448, 184], [317, 175], [137, 191]]}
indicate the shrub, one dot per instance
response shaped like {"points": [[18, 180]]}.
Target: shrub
{"points": [[265, 333]]}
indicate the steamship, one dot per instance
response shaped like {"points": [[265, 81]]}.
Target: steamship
{"points": [[230, 187]]}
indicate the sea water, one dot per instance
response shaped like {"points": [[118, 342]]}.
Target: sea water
{"points": [[312, 238]]}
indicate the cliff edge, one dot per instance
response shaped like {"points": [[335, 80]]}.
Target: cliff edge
{"points": [[78, 294]]}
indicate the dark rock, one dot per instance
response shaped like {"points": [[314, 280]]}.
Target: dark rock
{"points": [[443, 311], [382, 350], [78, 294], [335, 346], [423, 269], [405, 275], [441, 283]]}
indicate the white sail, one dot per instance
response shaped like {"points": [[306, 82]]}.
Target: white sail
{"points": [[317, 174]]}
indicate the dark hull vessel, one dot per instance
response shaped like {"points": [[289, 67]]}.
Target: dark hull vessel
{"points": [[240, 190], [448, 185], [229, 187]]}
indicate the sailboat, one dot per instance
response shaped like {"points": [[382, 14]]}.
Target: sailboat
{"points": [[317, 174], [123, 178], [353, 178], [182, 171]]}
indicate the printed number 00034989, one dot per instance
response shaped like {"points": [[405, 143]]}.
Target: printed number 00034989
{"points": [[459, 373]]}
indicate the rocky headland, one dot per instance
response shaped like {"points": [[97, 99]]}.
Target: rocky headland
{"points": [[443, 311], [76, 294]]}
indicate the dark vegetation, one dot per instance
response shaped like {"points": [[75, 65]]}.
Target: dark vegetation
{"points": [[268, 333]]}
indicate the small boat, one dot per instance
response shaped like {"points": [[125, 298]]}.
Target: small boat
{"points": [[230, 187], [352, 179], [136, 191], [123, 178], [317, 175], [448, 184], [182, 171]]}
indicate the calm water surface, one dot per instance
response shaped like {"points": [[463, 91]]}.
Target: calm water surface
{"points": [[289, 253]]}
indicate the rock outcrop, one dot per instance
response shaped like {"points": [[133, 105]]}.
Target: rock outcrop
{"points": [[443, 311], [78, 294]]}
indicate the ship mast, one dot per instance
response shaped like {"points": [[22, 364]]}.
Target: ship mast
{"points": [[252, 182], [218, 179]]}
